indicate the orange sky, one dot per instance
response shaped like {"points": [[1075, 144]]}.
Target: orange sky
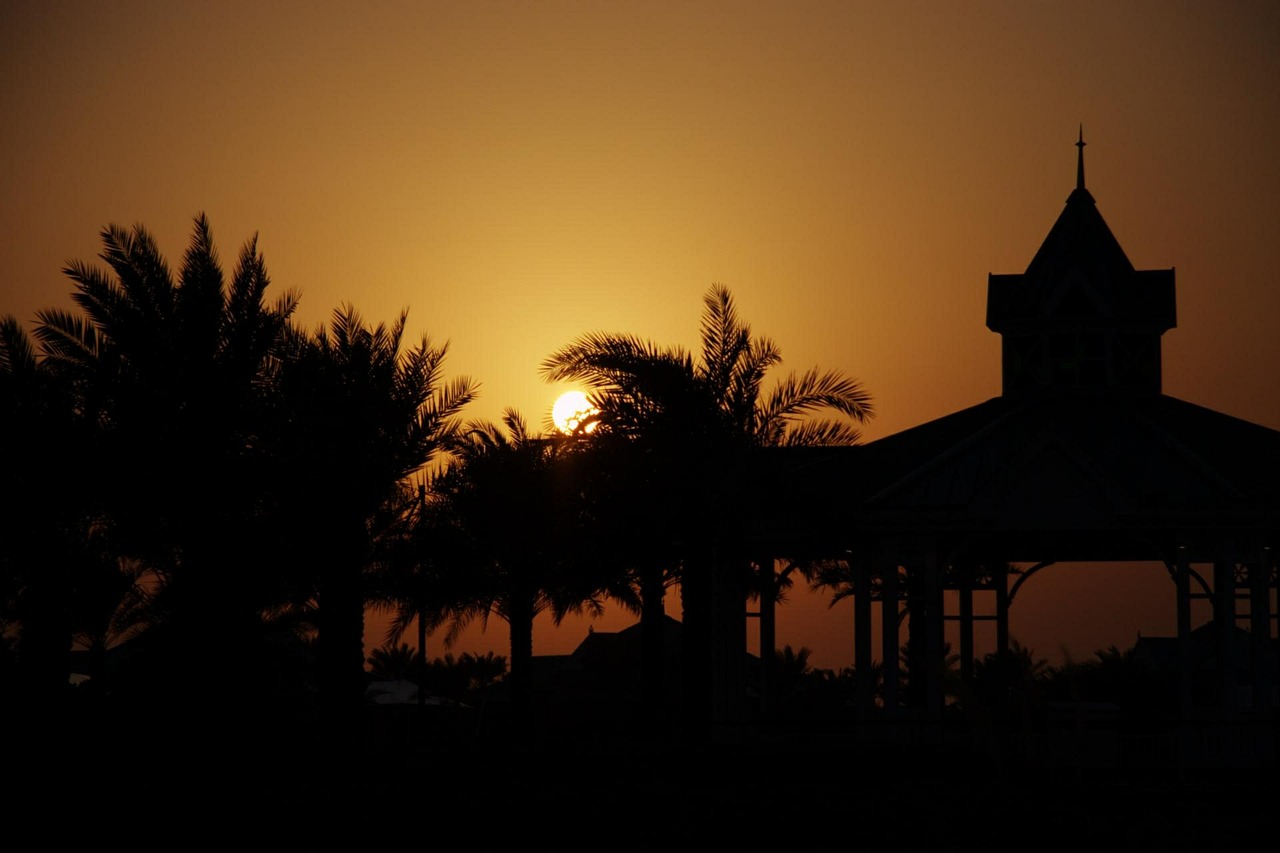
{"points": [[519, 173]]}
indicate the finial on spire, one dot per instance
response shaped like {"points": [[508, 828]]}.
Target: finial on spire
{"points": [[1080, 143]]}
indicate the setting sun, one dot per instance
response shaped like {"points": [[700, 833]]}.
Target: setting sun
{"points": [[571, 409]]}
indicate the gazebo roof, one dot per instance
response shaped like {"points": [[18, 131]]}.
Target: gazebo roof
{"points": [[1104, 471], [1091, 477], [1099, 469]]}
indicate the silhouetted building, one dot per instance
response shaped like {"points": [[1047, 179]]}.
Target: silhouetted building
{"points": [[1082, 457]]}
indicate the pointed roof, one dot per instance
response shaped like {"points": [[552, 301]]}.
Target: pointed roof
{"points": [[1080, 297], [1079, 240]]}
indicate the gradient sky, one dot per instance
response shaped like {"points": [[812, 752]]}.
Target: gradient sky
{"points": [[519, 173]]}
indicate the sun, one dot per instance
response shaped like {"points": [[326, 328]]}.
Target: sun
{"points": [[571, 408]]}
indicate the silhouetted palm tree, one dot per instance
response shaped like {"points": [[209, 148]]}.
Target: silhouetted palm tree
{"points": [[415, 573], [692, 421], [462, 678], [356, 415], [1012, 684], [511, 495], [41, 528], [170, 375], [791, 665], [391, 662]]}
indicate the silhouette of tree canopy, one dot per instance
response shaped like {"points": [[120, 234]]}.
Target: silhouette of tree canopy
{"points": [[167, 377], [445, 676], [689, 423], [356, 415], [415, 575], [391, 661], [512, 497], [209, 479], [48, 580]]}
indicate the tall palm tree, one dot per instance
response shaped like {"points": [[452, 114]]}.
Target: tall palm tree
{"points": [[693, 421], [357, 415], [169, 372], [416, 575], [512, 496]]}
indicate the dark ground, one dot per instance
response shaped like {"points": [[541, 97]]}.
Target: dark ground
{"points": [[143, 789]]}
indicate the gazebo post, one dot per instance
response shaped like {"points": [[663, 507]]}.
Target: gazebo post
{"points": [[1224, 615], [1001, 577], [935, 662], [1183, 586], [964, 574], [1260, 628], [889, 636], [864, 683]]}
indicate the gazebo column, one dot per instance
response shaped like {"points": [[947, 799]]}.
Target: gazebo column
{"points": [[1182, 579], [1224, 615], [965, 584], [1000, 574], [1260, 629], [864, 684], [934, 657], [889, 636]]}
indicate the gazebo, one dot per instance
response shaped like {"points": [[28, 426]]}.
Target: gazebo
{"points": [[1081, 458]]}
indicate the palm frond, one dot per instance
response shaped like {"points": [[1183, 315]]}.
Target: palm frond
{"points": [[199, 304], [820, 389], [823, 433], [101, 298], [68, 341], [748, 375], [601, 360], [725, 340], [141, 269], [17, 355]]}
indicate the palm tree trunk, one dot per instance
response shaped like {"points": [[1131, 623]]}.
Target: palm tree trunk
{"points": [[341, 646], [653, 641], [729, 637], [696, 590], [520, 621]]}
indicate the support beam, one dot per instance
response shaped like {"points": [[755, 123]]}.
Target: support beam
{"points": [[965, 582], [1000, 573], [934, 656], [1224, 615], [1182, 578], [864, 685], [1260, 628], [889, 636]]}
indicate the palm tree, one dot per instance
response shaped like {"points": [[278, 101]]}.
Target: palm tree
{"points": [[511, 496], [43, 524], [1011, 684], [415, 574], [692, 423], [168, 374], [393, 662], [356, 416]]}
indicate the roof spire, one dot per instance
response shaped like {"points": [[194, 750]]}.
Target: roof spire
{"points": [[1080, 143]]}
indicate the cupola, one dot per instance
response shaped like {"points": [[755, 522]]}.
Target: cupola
{"points": [[1081, 317]]}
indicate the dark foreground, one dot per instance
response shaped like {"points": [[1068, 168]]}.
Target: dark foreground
{"points": [[146, 789]]}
